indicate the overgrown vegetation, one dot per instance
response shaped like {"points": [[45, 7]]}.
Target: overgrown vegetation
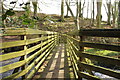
{"points": [[100, 52]]}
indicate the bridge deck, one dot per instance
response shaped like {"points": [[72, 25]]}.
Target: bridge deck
{"points": [[57, 65]]}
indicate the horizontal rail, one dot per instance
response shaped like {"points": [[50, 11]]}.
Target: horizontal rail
{"points": [[87, 76], [104, 59], [100, 32], [41, 46], [23, 42], [32, 65], [21, 73], [100, 46], [18, 64], [24, 31], [76, 48], [101, 70], [45, 54], [23, 52]]}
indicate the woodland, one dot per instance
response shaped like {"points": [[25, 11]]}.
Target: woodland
{"points": [[67, 22]]}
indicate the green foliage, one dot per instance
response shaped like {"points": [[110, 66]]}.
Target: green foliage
{"points": [[8, 13], [4, 17], [26, 20], [102, 52]]}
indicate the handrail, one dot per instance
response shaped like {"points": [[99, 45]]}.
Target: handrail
{"points": [[100, 32], [24, 31], [81, 57], [32, 52]]}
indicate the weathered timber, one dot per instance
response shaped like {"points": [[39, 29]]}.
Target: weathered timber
{"points": [[88, 76], [104, 59], [106, 71], [100, 46], [100, 32]]}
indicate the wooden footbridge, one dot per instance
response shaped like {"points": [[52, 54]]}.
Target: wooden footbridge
{"points": [[37, 55]]}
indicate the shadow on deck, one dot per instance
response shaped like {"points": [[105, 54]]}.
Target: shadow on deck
{"points": [[57, 65]]}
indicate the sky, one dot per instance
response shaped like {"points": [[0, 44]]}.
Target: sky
{"points": [[53, 7]]}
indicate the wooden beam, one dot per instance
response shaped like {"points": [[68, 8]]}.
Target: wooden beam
{"points": [[100, 32], [101, 46], [106, 71]]}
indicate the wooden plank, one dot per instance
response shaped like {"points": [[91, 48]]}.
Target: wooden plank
{"points": [[37, 46], [106, 71], [73, 38], [101, 46], [16, 54], [23, 72], [12, 66], [74, 54], [23, 42], [103, 59], [12, 55], [38, 52], [30, 41], [75, 33], [73, 45], [100, 32], [14, 31], [23, 31], [46, 53], [74, 65], [36, 31], [29, 67], [88, 76], [12, 44]]}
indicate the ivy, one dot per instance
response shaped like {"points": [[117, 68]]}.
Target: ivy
{"points": [[8, 13]]}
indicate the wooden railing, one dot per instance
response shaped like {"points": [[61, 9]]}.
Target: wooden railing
{"points": [[33, 48], [32, 52], [75, 48]]}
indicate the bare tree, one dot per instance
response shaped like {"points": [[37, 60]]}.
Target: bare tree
{"points": [[93, 12], [109, 12], [35, 7], [88, 9], [67, 7], [119, 14], [99, 16], [114, 13], [80, 9], [62, 10]]}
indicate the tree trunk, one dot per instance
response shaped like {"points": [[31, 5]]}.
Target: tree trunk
{"points": [[67, 8], [70, 10], [80, 9], [87, 9], [3, 21], [76, 20], [109, 12], [114, 14], [119, 15], [93, 20], [77, 15], [62, 10], [99, 16], [35, 8]]}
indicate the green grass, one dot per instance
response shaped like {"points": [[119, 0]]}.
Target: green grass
{"points": [[102, 52]]}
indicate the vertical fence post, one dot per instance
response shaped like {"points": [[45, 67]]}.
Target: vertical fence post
{"points": [[24, 37], [81, 49], [54, 34], [58, 38], [41, 40]]}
